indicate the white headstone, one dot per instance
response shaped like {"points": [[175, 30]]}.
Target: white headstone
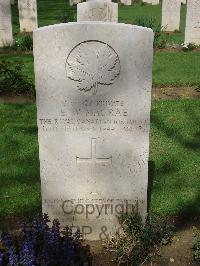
{"points": [[6, 37], [171, 10], [184, 2], [97, 11], [27, 15], [127, 2], [152, 2], [155, 2], [192, 29], [93, 100]]}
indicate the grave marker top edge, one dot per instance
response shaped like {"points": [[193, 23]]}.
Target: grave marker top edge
{"points": [[62, 25]]}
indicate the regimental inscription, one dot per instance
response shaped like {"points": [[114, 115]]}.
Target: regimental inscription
{"points": [[93, 159], [93, 115], [92, 63]]}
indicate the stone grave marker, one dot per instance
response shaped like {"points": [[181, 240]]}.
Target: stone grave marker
{"points": [[127, 2], [155, 2], [171, 10], [152, 2], [6, 36], [97, 11], [192, 29], [93, 101], [27, 15]]}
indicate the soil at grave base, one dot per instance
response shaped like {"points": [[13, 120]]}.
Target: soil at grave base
{"points": [[174, 93], [8, 98], [177, 253], [158, 93]]}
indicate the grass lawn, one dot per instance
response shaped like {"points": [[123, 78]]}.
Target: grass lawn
{"points": [[51, 12], [176, 68], [174, 158], [169, 68], [19, 172]]}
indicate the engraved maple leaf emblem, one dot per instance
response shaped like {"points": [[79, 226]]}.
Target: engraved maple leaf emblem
{"points": [[92, 63]]}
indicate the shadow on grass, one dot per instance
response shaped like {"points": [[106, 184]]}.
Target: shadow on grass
{"points": [[175, 159], [19, 172], [151, 175], [177, 134]]}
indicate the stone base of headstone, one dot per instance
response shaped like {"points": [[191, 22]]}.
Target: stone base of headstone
{"points": [[97, 11]]}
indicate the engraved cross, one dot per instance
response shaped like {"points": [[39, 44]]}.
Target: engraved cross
{"points": [[93, 160]]}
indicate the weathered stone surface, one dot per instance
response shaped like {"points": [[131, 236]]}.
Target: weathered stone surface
{"points": [[152, 2], [192, 30], [6, 37], [155, 2], [27, 15], [97, 11], [171, 15], [127, 2], [184, 2], [93, 100]]}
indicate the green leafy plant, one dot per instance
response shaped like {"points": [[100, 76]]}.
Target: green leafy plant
{"points": [[143, 3], [12, 79], [160, 39], [140, 241], [196, 247], [198, 88], [148, 22], [24, 43]]}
